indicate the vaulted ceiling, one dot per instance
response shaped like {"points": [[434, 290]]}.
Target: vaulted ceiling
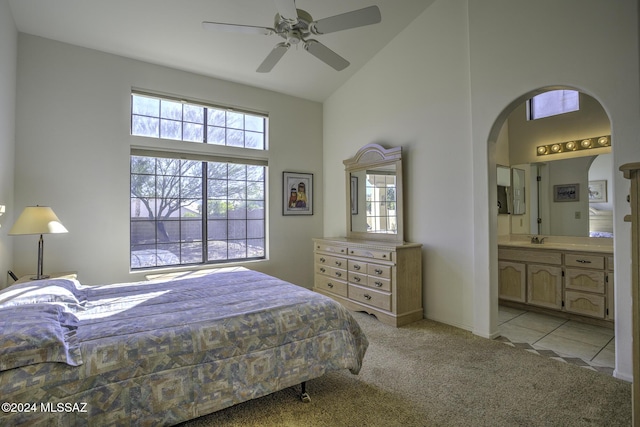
{"points": [[170, 33]]}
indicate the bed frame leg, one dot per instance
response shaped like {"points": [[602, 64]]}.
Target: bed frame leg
{"points": [[304, 396]]}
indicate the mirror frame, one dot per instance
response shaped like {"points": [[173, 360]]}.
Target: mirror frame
{"points": [[371, 156]]}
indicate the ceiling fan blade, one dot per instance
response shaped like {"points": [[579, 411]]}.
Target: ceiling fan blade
{"points": [[274, 56], [357, 18], [233, 28], [287, 10], [326, 55]]}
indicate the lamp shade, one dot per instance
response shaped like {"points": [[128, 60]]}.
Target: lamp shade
{"points": [[37, 220]]}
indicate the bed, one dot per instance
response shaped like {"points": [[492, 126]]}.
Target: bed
{"points": [[160, 352]]}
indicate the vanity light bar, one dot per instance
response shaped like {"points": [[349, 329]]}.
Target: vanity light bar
{"points": [[565, 147]]}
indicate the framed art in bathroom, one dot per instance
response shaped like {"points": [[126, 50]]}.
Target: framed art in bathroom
{"points": [[566, 193]]}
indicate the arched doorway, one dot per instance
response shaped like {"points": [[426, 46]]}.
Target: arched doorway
{"points": [[514, 141]]}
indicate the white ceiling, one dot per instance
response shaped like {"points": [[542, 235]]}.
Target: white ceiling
{"points": [[169, 32]]}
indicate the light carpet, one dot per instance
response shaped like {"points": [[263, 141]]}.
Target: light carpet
{"points": [[431, 374]]}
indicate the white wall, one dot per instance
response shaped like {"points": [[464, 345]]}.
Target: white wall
{"points": [[442, 89], [8, 64], [508, 60], [415, 94], [73, 147]]}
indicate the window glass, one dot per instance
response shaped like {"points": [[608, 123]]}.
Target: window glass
{"points": [[191, 212], [553, 103], [157, 117]]}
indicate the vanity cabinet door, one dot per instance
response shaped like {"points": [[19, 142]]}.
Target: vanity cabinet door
{"points": [[544, 286], [585, 304], [512, 281]]}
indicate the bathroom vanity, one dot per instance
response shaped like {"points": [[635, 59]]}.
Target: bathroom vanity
{"points": [[372, 269], [574, 279]]}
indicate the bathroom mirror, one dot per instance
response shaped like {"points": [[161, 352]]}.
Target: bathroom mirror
{"points": [[374, 194], [518, 192], [503, 175], [589, 215]]}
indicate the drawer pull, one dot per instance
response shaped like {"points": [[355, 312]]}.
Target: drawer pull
{"points": [[356, 278], [338, 274], [323, 260], [367, 297], [378, 284], [356, 267], [330, 285], [378, 271], [322, 270], [338, 263], [583, 261]]}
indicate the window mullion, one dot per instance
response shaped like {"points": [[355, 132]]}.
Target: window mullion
{"points": [[205, 211]]}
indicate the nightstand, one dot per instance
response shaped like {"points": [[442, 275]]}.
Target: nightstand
{"points": [[62, 275]]}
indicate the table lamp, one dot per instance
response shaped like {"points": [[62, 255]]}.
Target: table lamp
{"points": [[37, 220]]}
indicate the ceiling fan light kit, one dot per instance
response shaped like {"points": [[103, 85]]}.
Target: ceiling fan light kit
{"points": [[296, 25]]}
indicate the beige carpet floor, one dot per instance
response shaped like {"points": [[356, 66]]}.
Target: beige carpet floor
{"points": [[430, 374]]}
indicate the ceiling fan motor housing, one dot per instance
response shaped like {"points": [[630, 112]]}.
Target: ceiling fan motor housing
{"points": [[293, 31]]}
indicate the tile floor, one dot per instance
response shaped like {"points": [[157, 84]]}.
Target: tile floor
{"points": [[592, 347]]}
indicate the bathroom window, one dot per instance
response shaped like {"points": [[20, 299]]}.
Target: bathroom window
{"points": [[553, 103]]}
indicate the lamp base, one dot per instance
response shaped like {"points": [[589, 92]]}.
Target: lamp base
{"points": [[40, 277]]}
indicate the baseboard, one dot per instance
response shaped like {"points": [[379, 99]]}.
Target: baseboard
{"points": [[623, 377]]}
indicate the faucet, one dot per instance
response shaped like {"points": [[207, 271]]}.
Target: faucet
{"points": [[537, 240]]}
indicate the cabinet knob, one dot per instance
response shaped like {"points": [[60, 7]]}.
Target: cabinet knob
{"points": [[322, 270], [356, 278], [583, 261], [323, 260], [338, 274], [378, 271], [356, 267], [338, 263], [330, 285], [378, 284], [367, 297]]}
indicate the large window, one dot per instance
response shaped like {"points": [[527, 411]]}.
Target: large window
{"points": [[173, 119], [195, 209], [553, 103]]}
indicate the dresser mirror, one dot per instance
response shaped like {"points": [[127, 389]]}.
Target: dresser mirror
{"points": [[374, 194]]}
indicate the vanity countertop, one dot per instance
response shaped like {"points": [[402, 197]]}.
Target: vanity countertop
{"points": [[600, 245]]}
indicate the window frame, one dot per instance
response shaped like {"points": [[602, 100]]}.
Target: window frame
{"points": [[188, 151], [561, 109]]}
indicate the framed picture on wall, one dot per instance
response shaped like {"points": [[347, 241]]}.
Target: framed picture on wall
{"points": [[566, 193], [297, 191], [598, 191]]}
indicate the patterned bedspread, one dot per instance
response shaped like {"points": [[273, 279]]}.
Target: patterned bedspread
{"points": [[161, 352]]}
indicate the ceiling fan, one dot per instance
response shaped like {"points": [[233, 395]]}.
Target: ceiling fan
{"points": [[296, 25]]}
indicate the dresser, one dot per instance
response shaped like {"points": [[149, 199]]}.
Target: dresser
{"points": [[379, 278]]}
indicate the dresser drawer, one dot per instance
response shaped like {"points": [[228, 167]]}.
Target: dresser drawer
{"points": [[584, 280], [379, 283], [586, 304], [378, 270], [368, 253], [357, 278], [371, 297], [587, 261], [331, 272], [328, 284], [331, 261], [330, 248], [357, 266]]}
